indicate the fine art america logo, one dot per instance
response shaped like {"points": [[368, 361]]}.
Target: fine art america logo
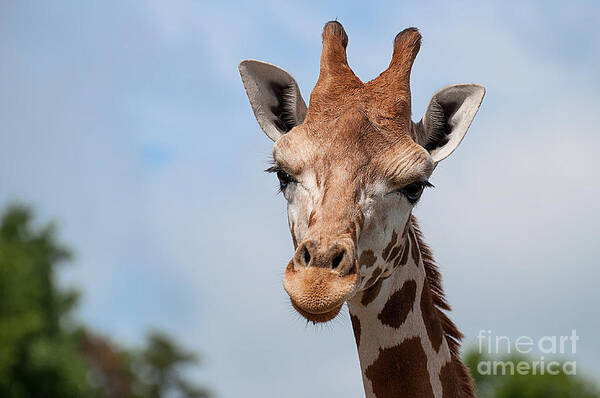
{"points": [[525, 345]]}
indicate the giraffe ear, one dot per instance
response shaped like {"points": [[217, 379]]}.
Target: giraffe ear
{"points": [[448, 116], [274, 96]]}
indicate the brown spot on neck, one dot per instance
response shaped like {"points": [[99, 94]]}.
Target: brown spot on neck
{"points": [[404, 256], [416, 254], [390, 245], [374, 276], [401, 371], [373, 287], [367, 258], [399, 305], [401, 260], [449, 381], [430, 318], [394, 253]]}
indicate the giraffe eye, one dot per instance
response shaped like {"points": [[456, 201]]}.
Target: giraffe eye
{"points": [[284, 179], [414, 190]]}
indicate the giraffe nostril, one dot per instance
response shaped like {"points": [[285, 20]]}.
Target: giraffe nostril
{"points": [[306, 256], [337, 260]]}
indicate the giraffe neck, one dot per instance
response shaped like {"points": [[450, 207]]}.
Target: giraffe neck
{"points": [[406, 345]]}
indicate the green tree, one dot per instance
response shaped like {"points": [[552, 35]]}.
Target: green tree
{"points": [[43, 353], [38, 357], [160, 364], [515, 385]]}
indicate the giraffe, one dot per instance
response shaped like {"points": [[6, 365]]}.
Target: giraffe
{"points": [[351, 166]]}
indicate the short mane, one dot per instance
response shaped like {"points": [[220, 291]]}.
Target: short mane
{"points": [[451, 333]]}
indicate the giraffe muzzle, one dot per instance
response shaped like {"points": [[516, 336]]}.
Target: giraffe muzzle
{"points": [[320, 279]]}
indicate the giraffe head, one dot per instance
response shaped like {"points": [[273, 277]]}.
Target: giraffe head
{"points": [[352, 165]]}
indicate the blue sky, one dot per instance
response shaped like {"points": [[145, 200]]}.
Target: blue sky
{"points": [[127, 123]]}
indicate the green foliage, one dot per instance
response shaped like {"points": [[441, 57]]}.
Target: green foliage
{"points": [[515, 385], [42, 352], [159, 363], [37, 357]]}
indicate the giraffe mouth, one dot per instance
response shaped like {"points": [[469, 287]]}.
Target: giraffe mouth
{"points": [[317, 318], [318, 294]]}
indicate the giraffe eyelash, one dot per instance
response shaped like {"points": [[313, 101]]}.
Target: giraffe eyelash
{"points": [[274, 167], [283, 176], [425, 183]]}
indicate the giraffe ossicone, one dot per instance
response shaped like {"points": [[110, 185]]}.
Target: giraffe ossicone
{"points": [[351, 166]]}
